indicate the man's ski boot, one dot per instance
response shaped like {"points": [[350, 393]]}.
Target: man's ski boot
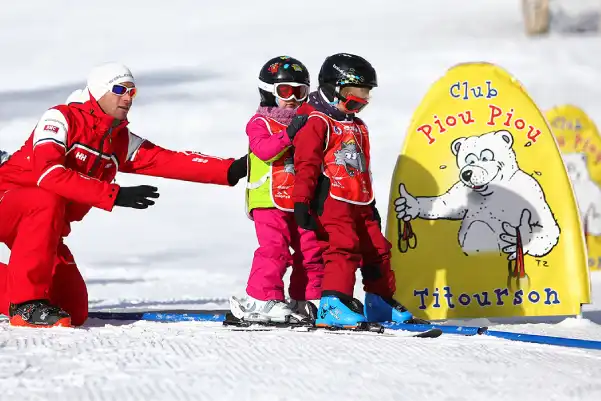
{"points": [[38, 313], [378, 309], [249, 311], [340, 311]]}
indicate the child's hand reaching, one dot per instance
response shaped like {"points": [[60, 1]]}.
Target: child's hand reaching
{"points": [[295, 125]]}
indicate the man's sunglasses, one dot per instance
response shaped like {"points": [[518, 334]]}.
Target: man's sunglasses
{"points": [[121, 90]]}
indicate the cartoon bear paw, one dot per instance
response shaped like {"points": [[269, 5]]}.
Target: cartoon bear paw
{"points": [[406, 206], [510, 235]]}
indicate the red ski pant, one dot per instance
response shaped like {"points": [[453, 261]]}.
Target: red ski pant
{"points": [[32, 221], [352, 238]]}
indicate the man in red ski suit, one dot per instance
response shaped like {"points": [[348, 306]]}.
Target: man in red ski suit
{"points": [[333, 194], [65, 168]]}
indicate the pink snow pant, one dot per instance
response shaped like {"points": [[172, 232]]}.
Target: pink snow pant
{"points": [[277, 232]]}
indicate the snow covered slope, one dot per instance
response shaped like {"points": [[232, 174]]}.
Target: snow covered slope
{"points": [[196, 65], [190, 361]]}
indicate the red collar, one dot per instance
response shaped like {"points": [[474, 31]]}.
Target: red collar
{"points": [[102, 121]]}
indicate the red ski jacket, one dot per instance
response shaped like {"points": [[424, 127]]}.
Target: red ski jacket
{"points": [[75, 151], [309, 145]]}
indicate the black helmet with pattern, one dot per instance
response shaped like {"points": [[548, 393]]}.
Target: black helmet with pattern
{"points": [[277, 70], [344, 69]]}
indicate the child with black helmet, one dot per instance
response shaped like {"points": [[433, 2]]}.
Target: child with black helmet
{"points": [[283, 86], [333, 195]]}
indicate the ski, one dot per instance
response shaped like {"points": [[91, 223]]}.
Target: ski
{"points": [[260, 328], [431, 333], [448, 329], [234, 324]]}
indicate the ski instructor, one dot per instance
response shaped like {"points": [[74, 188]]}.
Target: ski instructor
{"points": [[65, 168]]}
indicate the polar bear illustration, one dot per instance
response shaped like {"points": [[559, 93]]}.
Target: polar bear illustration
{"points": [[493, 197], [588, 193]]}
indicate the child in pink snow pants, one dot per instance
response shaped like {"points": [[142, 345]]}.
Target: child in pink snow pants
{"points": [[283, 86]]}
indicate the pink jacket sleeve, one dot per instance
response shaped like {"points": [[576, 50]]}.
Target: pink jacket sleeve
{"points": [[264, 145]]}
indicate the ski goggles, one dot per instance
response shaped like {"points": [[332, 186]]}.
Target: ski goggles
{"points": [[352, 103], [121, 90], [287, 90]]}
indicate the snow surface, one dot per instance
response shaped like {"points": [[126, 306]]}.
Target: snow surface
{"points": [[196, 64]]}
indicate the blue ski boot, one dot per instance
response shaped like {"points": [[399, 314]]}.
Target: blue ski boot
{"points": [[378, 309], [337, 310]]}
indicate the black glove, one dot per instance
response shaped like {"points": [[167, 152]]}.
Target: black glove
{"points": [[237, 170], [136, 197], [303, 217], [376, 214], [295, 125]]}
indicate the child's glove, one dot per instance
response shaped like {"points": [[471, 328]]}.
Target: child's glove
{"points": [[376, 214], [295, 125], [303, 217], [237, 170]]}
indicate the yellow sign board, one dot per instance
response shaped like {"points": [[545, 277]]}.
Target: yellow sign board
{"points": [[580, 144], [482, 214]]}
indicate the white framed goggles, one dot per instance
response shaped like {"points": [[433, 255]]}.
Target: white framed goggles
{"points": [[286, 90], [122, 90]]}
